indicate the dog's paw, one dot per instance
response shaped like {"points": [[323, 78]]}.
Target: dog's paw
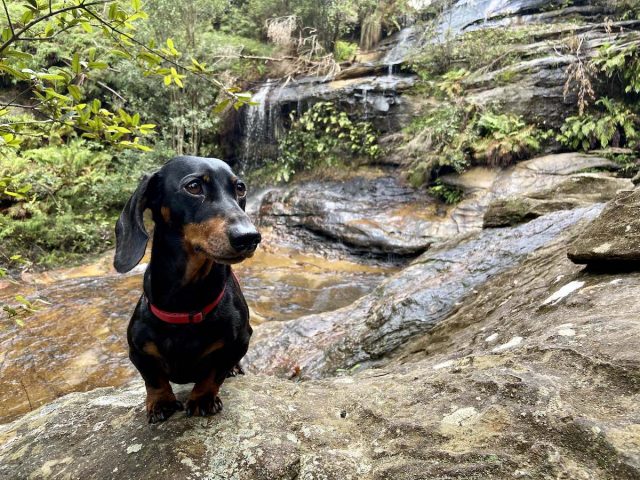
{"points": [[204, 405], [161, 410], [235, 371]]}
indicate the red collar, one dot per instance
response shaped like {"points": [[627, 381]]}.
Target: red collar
{"points": [[189, 317]]}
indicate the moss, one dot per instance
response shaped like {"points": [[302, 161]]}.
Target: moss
{"points": [[507, 76]]}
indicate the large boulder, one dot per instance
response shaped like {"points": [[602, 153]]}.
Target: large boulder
{"points": [[613, 239], [379, 215], [533, 375]]}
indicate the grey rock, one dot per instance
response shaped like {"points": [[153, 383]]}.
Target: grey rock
{"points": [[575, 191], [410, 303], [613, 239], [534, 374], [379, 215]]}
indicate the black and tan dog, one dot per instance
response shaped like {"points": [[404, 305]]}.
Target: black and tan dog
{"points": [[192, 322]]}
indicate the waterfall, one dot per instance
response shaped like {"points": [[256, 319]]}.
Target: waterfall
{"points": [[405, 41], [257, 126]]}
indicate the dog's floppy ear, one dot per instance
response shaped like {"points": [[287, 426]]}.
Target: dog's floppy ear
{"points": [[131, 236]]}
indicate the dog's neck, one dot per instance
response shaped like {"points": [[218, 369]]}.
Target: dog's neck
{"points": [[179, 279]]}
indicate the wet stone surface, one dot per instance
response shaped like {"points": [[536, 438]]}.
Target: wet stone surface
{"points": [[410, 303], [534, 375]]}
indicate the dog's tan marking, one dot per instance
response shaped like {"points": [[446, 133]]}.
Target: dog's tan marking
{"points": [[217, 345], [151, 348], [204, 395], [156, 396], [197, 267], [166, 214], [209, 237]]}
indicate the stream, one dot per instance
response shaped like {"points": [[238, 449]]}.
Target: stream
{"points": [[77, 341]]}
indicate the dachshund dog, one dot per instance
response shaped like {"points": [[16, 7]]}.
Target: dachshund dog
{"points": [[191, 324]]}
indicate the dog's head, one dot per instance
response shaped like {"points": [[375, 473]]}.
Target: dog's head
{"points": [[202, 200]]}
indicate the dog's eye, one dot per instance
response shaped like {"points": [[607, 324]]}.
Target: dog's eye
{"points": [[241, 189], [194, 187]]}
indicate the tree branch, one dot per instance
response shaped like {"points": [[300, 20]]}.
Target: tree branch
{"points": [[53, 13], [213, 81], [6, 11]]}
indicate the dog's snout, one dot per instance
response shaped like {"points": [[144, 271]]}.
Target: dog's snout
{"points": [[244, 240]]}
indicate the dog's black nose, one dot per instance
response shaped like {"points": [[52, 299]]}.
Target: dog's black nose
{"points": [[244, 240]]}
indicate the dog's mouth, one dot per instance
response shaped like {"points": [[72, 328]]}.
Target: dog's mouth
{"points": [[230, 260]]}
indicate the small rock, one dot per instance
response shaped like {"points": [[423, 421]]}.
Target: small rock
{"points": [[135, 448], [514, 342], [568, 289], [491, 338], [567, 332], [444, 364], [460, 417]]}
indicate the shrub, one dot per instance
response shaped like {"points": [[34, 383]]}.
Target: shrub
{"points": [[438, 142], [454, 136], [59, 202], [344, 51], [447, 193], [620, 64], [320, 137], [451, 83], [613, 124]]}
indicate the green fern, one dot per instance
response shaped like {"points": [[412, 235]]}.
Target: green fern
{"points": [[613, 125], [504, 139], [623, 64]]}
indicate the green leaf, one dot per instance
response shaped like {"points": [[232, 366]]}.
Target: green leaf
{"points": [[221, 106], [75, 63], [75, 92]]}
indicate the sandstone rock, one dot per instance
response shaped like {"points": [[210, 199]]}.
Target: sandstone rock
{"points": [[531, 188], [513, 211], [509, 385], [379, 215], [575, 191], [384, 216], [408, 304], [613, 239]]}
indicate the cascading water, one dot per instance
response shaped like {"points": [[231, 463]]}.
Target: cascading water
{"points": [[406, 40], [257, 125]]}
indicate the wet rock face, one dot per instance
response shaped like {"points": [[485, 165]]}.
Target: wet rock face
{"points": [[612, 241], [408, 304], [575, 191], [379, 216], [534, 375], [384, 216]]}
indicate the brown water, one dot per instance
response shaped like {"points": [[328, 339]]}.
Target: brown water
{"points": [[78, 341]]}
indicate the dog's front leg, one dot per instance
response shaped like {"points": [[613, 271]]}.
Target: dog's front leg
{"points": [[161, 403], [204, 398]]}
